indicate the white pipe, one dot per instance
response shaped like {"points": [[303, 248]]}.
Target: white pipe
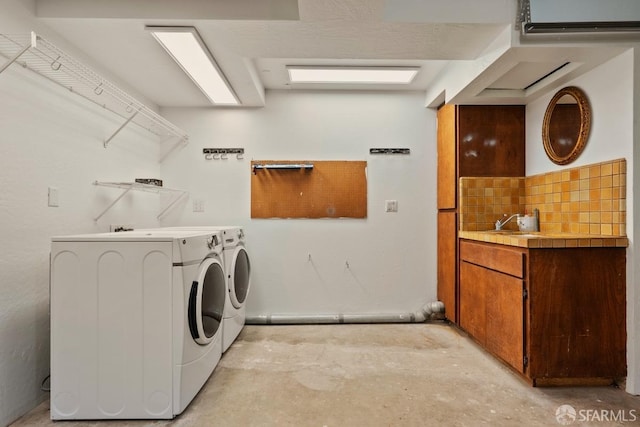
{"points": [[430, 311]]}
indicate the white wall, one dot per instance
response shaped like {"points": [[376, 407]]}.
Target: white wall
{"points": [[391, 256], [607, 88], [50, 137], [633, 256], [614, 107]]}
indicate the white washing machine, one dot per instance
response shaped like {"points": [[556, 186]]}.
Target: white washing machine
{"points": [[238, 272], [136, 322]]}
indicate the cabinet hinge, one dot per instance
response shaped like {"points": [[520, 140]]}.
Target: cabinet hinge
{"points": [[525, 294], [525, 361]]}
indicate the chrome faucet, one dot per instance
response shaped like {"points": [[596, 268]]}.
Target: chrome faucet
{"points": [[500, 224]]}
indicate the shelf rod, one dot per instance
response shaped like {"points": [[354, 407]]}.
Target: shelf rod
{"points": [[106, 142], [283, 166], [113, 203]]}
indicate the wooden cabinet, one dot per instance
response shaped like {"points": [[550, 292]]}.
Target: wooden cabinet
{"points": [[492, 285], [491, 140], [473, 304], [557, 316], [447, 214], [447, 171], [447, 261], [577, 325], [473, 140], [504, 319]]}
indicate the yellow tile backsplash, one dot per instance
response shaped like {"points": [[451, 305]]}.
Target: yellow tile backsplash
{"points": [[584, 200], [484, 200]]}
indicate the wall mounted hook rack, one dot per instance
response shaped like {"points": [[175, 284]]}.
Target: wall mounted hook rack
{"points": [[389, 151], [222, 153]]}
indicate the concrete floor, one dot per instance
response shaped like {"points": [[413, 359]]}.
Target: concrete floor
{"points": [[373, 375]]}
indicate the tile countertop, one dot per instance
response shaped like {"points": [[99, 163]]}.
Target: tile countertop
{"points": [[545, 240]]}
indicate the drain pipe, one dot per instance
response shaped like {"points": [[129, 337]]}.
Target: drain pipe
{"points": [[430, 311]]}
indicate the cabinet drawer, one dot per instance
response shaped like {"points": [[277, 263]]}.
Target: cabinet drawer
{"points": [[506, 260]]}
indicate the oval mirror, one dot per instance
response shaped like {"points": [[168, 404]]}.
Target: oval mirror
{"points": [[566, 124]]}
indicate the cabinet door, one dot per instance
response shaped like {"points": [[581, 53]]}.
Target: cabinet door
{"points": [[578, 313], [473, 283], [505, 318], [491, 310], [491, 140], [447, 261], [447, 181]]}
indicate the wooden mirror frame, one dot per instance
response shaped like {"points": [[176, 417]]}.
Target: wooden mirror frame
{"points": [[585, 125]]}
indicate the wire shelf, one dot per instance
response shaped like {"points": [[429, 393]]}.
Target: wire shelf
{"points": [[177, 195], [44, 58]]}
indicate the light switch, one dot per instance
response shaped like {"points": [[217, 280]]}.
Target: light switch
{"points": [[391, 206], [53, 197]]}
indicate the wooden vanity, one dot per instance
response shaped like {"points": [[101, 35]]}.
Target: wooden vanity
{"points": [[551, 305], [556, 315]]}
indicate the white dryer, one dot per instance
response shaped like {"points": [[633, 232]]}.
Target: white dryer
{"points": [[136, 322], [238, 272]]}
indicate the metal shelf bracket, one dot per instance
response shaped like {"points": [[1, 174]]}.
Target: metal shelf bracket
{"points": [[108, 140], [15, 57]]}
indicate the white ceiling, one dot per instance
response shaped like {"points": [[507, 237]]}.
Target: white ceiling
{"points": [[253, 41]]}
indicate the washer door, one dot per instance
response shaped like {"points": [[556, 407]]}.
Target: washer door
{"points": [[239, 277], [206, 301]]}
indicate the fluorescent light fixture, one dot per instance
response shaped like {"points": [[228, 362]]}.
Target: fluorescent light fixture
{"points": [[187, 48], [354, 75]]}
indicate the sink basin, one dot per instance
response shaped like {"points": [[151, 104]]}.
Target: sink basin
{"points": [[516, 233]]}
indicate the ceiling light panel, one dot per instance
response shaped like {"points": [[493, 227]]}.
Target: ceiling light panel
{"points": [[352, 75], [187, 48]]}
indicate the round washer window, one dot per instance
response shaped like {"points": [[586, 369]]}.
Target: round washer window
{"points": [[241, 276], [213, 290], [206, 301]]}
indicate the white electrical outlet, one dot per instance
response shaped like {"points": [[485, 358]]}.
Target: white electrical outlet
{"points": [[198, 205], [391, 206], [53, 197]]}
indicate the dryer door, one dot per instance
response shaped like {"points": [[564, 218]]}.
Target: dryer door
{"points": [[239, 277], [206, 301]]}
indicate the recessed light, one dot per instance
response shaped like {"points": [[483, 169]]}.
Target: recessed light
{"points": [[187, 48], [353, 75]]}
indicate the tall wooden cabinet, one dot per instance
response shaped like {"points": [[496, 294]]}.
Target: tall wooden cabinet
{"points": [[473, 140]]}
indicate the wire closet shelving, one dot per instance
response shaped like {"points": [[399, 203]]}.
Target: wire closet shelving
{"points": [[35, 53]]}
